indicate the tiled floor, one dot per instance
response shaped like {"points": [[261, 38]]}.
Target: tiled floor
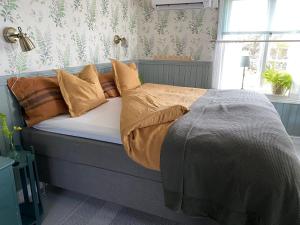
{"points": [[68, 208]]}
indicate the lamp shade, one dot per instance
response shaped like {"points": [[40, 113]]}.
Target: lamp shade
{"points": [[124, 43], [12, 36], [245, 61], [25, 43]]}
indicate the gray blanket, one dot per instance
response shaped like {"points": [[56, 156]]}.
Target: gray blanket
{"points": [[231, 159]]}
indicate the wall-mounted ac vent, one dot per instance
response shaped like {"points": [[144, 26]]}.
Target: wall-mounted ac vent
{"points": [[183, 4]]}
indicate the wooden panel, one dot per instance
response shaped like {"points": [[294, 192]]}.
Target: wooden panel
{"points": [[290, 116], [190, 74]]}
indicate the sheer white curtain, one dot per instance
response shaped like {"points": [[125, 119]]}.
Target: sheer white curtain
{"points": [[257, 20], [218, 59]]}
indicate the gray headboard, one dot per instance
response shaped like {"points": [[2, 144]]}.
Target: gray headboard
{"points": [[179, 73]]}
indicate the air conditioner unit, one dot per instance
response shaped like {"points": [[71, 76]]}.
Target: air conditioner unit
{"points": [[183, 4]]}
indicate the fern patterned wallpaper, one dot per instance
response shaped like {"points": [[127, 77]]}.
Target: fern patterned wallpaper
{"points": [[67, 32], [181, 32], [77, 32]]}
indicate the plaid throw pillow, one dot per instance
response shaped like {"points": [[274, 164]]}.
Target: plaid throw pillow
{"points": [[108, 85], [40, 97]]}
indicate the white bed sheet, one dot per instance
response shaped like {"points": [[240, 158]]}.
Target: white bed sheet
{"points": [[101, 123]]}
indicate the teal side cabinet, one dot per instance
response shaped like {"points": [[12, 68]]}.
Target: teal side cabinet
{"points": [[9, 207]]}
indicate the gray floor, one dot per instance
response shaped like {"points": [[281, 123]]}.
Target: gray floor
{"points": [[68, 208]]}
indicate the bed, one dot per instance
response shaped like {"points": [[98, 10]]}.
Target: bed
{"points": [[200, 144], [96, 164]]}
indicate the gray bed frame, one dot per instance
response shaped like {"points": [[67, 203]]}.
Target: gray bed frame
{"points": [[101, 170]]}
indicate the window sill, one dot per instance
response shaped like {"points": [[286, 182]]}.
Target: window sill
{"points": [[293, 99]]}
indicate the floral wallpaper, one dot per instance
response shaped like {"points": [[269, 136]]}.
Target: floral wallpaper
{"points": [[179, 32], [67, 32], [77, 32]]}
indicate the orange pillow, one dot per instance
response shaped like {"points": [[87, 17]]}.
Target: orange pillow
{"points": [[40, 97], [81, 92], [108, 84], [126, 76]]}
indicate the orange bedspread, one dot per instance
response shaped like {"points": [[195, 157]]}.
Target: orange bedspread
{"points": [[147, 113]]}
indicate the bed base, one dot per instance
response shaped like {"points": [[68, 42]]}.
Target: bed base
{"points": [[126, 190], [61, 163]]}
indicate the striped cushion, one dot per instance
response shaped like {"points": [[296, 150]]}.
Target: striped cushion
{"points": [[40, 97], [108, 85]]}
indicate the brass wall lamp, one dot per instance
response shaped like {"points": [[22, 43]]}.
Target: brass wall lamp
{"points": [[11, 35], [123, 40]]}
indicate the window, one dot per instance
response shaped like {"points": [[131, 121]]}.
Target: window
{"points": [[259, 20]]}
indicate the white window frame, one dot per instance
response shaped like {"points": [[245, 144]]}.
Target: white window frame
{"points": [[224, 16]]}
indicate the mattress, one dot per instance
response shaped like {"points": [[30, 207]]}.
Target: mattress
{"points": [[83, 151], [101, 123]]}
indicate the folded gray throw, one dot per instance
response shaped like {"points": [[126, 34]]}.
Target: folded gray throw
{"points": [[231, 159]]}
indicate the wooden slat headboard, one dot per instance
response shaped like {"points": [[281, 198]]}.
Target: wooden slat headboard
{"points": [[179, 73]]}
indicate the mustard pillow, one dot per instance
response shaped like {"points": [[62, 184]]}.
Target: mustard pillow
{"points": [[81, 92], [126, 76]]}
